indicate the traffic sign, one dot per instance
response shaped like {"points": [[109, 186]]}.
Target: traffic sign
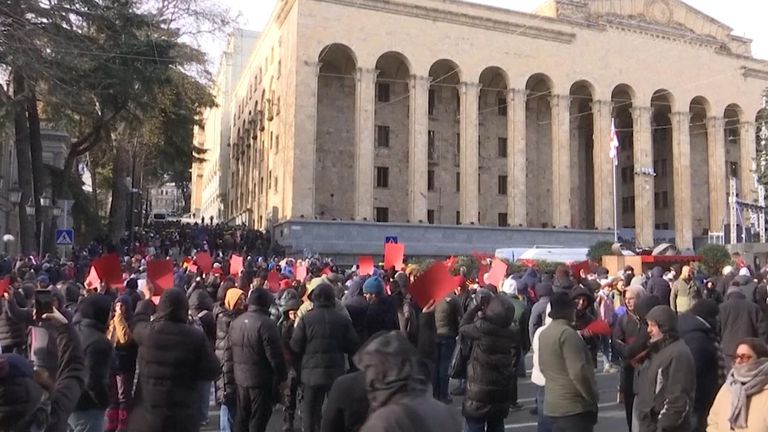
{"points": [[65, 237], [391, 239]]}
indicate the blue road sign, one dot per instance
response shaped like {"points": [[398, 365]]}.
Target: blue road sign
{"points": [[391, 239], [65, 237]]}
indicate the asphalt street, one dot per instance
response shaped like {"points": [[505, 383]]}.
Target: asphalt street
{"points": [[611, 414]]}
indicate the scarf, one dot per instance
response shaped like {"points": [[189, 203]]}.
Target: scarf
{"points": [[743, 382]]}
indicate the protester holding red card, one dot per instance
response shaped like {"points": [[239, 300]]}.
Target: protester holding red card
{"points": [[365, 265], [394, 253], [109, 270], [160, 274], [235, 265]]}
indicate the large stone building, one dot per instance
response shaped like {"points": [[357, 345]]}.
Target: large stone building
{"points": [[441, 119]]}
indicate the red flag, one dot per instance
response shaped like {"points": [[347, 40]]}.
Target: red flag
{"points": [[365, 265], [235, 265], [273, 281], [599, 327], [497, 274], [393, 255], [4, 284], [204, 261], [109, 271], [160, 274], [433, 284]]}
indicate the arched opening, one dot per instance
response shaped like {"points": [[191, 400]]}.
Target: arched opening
{"points": [[663, 162], [699, 110], [335, 148], [582, 148], [733, 116], [443, 143], [493, 148], [622, 98], [538, 151], [390, 138]]}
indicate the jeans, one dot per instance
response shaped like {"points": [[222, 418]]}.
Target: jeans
{"points": [[312, 412], [440, 379], [87, 421], [254, 408], [204, 389], [484, 424], [226, 418], [582, 422], [544, 422]]}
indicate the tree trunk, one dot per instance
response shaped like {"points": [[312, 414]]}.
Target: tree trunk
{"points": [[39, 180], [24, 162], [121, 166]]}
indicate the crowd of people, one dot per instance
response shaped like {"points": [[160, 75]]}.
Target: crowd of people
{"points": [[340, 351]]}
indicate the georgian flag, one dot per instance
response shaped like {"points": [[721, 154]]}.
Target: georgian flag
{"points": [[613, 152]]}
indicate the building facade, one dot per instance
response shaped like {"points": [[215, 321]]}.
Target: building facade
{"points": [[166, 199], [447, 113]]}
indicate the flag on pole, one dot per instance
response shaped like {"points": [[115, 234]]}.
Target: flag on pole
{"points": [[614, 150]]}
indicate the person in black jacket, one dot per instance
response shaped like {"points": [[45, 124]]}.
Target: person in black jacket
{"points": [[347, 406], [490, 371], [232, 304], [201, 310], [259, 366], [658, 286], [173, 358], [287, 325], [93, 314], [381, 314], [14, 322], [320, 341], [739, 318]]}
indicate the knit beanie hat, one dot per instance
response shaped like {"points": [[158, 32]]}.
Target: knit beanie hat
{"points": [[231, 298], [96, 307], [373, 285], [665, 318]]}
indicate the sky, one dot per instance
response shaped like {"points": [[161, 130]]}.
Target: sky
{"points": [[746, 17]]}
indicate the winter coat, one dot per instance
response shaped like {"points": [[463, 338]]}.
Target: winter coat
{"points": [[13, 322], [119, 333], [448, 313], [666, 386], [701, 340], [584, 318], [97, 353], [347, 406], [757, 414], [747, 286], [226, 392], [739, 319], [321, 340], [539, 309], [490, 368], [201, 307], [173, 358], [380, 316], [658, 286], [257, 352], [683, 295]]}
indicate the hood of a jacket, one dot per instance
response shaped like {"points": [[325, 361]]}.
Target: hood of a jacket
{"points": [[689, 323], [645, 304], [581, 291], [657, 272], [500, 311], [355, 290], [200, 301], [173, 306], [323, 296], [544, 289]]}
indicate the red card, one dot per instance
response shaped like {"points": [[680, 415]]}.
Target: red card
{"points": [[4, 284], [235, 265], [160, 273], [156, 300], [204, 261], [576, 268], [301, 272], [365, 265], [497, 274], [92, 282], [433, 284], [273, 281], [599, 327], [109, 271], [393, 255]]}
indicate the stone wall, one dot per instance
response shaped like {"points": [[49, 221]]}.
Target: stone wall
{"points": [[444, 199], [492, 126], [393, 114]]}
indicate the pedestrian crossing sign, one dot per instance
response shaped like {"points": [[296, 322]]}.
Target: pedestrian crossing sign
{"points": [[65, 237]]}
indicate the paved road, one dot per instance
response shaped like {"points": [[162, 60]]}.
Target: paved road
{"points": [[611, 414]]}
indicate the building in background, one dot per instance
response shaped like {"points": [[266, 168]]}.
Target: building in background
{"points": [[211, 178], [166, 199], [9, 192]]}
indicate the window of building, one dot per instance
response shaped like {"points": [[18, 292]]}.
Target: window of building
{"points": [[431, 146], [261, 185], [733, 169], [382, 136], [502, 147], [381, 214], [458, 143], [502, 185], [503, 220], [382, 89], [431, 102], [458, 181], [665, 200], [382, 177], [501, 105], [430, 180], [458, 217], [275, 182], [277, 143], [431, 217]]}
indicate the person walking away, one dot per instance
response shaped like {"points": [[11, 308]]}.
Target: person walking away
{"points": [[93, 315], [566, 363], [397, 389], [658, 286], [173, 358], [225, 313], [490, 370], [544, 424], [124, 365], [666, 381], [739, 319], [684, 292], [381, 314], [448, 313], [201, 310], [258, 362], [740, 405], [697, 329], [322, 341], [290, 394]]}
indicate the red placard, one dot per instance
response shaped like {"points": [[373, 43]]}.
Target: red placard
{"points": [[433, 284], [301, 271], [599, 327], [92, 282], [497, 274], [235, 265], [4, 284], [365, 265], [109, 271], [393, 255], [273, 281], [204, 261], [160, 274]]}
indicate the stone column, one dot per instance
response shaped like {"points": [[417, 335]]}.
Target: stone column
{"points": [[561, 160], [468, 160], [417, 148], [747, 159], [603, 164], [365, 109], [716, 169], [681, 176], [300, 188], [644, 184], [516, 163]]}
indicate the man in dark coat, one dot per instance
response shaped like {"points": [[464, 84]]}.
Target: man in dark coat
{"points": [[259, 365], [14, 320], [739, 318], [321, 340], [97, 351], [173, 358], [397, 389], [381, 314], [347, 406], [544, 291], [658, 286], [232, 304], [666, 381]]}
